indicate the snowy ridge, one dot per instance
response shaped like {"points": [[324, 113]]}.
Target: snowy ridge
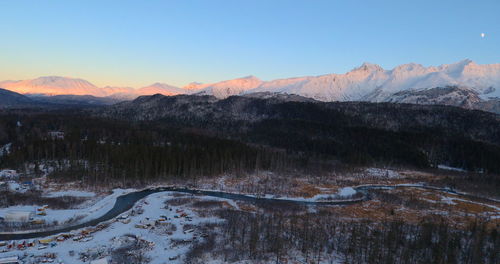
{"points": [[372, 83], [230, 87], [369, 82], [55, 85]]}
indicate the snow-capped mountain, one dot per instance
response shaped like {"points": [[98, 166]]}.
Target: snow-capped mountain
{"points": [[369, 82], [227, 88], [56, 85], [53, 85], [195, 86], [160, 88]]}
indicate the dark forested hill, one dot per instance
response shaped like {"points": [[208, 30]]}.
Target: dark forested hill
{"points": [[353, 132], [12, 99], [157, 137]]}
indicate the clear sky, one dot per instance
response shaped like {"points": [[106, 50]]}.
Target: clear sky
{"points": [[136, 43]]}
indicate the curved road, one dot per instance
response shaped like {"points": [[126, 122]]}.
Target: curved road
{"points": [[127, 201]]}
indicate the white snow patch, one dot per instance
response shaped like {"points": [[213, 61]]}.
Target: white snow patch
{"points": [[444, 167], [73, 193], [346, 191], [5, 149], [382, 173], [77, 215], [8, 174]]}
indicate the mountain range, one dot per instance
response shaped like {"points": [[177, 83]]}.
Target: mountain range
{"points": [[465, 84]]}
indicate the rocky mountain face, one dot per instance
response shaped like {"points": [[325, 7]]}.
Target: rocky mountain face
{"points": [[450, 95]]}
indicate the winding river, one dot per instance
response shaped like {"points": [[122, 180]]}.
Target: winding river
{"points": [[127, 201]]}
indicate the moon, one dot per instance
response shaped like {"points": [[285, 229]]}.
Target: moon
{"points": [[483, 35]]}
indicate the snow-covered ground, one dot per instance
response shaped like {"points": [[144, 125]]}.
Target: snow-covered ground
{"points": [[73, 193], [382, 173], [169, 241], [93, 211], [5, 149], [444, 167], [165, 245]]}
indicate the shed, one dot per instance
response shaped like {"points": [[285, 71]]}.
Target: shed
{"points": [[56, 134], [9, 260], [18, 216]]}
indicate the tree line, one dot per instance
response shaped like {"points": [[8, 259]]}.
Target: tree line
{"points": [[324, 238], [101, 151]]}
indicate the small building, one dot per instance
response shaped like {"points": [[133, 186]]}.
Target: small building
{"points": [[10, 260], [18, 216], [56, 135], [45, 241]]}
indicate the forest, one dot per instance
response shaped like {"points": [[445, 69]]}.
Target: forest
{"points": [[187, 137], [109, 152], [324, 237]]}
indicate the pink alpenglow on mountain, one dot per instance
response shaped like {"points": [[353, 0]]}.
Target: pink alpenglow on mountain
{"points": [[369, 82]]}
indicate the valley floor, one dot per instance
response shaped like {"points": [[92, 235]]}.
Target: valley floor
{"points": [[171, 227]]}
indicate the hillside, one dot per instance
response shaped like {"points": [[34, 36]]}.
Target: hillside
{"points": [[355, 132], [12, 99]]}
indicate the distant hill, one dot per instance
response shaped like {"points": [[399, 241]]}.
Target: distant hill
{"points": [[12, 99], [357, 132], [76, 100], [9, 99]]}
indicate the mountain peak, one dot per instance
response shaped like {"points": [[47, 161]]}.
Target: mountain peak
{"points": [[409, 67], [158, 84], [60, 81], [466, 62], [160, 88], [194, 86], [366, 66], [250, 77]]}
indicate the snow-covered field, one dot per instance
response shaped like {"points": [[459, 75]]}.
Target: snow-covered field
{"points": [[162, 245], [71, 193], [97, 209]]}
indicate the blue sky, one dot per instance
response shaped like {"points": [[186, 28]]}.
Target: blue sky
{"points": [[137, 43]]}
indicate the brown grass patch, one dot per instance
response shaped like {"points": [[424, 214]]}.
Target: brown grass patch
{"points": [[308, 191], [472, 207], [246, 207]]}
